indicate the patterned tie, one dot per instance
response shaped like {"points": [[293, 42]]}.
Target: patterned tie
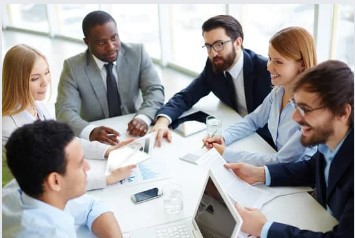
{"points": [[231, 89], [113, 99]]}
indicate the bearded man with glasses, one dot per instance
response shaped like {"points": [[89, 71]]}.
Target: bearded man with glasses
{"points": [[237, 76], [324, 108]]}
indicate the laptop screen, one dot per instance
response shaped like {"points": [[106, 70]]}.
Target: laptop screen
{"points": [[213, 217]]}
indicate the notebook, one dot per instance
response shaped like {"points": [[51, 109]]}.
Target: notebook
{"points": [[215, 216]]}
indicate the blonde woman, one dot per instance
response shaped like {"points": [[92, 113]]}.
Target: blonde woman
{"points": [[291, 51], [25, 81]]}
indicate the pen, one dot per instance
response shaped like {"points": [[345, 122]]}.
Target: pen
{"points": [[210, 136]]}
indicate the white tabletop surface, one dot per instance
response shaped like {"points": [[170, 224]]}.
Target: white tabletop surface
{"points": [[298, 209]]}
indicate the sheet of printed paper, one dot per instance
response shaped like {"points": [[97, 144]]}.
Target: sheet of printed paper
{"points": [[237, 189]]}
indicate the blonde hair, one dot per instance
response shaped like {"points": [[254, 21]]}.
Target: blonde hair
{"points": [[17, 67], [295, 43]]}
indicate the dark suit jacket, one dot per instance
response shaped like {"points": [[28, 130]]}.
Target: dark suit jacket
{"points": [[257, 86], [339, 195]]}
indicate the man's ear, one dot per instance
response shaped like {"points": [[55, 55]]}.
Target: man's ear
{"points": [[85, 40], [54, 181], [238, 42], [346, 112]]}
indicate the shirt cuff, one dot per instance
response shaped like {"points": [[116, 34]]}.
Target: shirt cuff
{"points": [[166, 116], [85, 133], [265, 229], [267, 176], [95, 180], [146, 119]]}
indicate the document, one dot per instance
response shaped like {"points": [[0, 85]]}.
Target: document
{"points": [[237, 189], [254, 196], [133, 153]]}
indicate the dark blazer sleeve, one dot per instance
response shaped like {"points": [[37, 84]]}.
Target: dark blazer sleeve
{"points": [[344, 229], [186, 98], [293, 174], [338, 195]]}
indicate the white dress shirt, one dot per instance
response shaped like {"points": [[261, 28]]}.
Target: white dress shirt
{"points": [[92, 149], [238, 79]]}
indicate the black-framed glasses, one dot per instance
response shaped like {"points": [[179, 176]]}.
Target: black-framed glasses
{"points": [[217, 46], [303, 110]]}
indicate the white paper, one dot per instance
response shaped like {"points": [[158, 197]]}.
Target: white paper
{"points": [[133, 153], [239, 190]]}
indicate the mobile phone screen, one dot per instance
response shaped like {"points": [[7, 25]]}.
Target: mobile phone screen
{"points": [[146, 195]]}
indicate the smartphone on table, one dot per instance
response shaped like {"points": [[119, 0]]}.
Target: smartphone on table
{"points": [[146, 195]]}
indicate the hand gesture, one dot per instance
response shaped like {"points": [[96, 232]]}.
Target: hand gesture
{"points": [[137, 127], [119, 174], [161, 127], [253, 220], [216, 142], [104, 135], [249, 173]]}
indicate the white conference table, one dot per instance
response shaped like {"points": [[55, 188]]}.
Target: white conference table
{"points": [[298, 209]]}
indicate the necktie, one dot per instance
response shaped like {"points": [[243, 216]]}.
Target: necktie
{"points": [[113, 99], [231, 89]]}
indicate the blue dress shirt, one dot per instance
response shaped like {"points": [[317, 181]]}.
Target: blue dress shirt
{"points": [[24, 216], [285, 133]]}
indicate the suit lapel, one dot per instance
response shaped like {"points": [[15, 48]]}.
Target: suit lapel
{"points": [[94, 76], [342, 161], [248, 81], [320, 180]]}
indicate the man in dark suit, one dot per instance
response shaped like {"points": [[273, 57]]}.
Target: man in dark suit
{"points": [[324, 103], [109, 79], [237, 76]]}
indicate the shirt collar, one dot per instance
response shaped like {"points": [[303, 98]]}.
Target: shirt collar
{"points": [[61, 217], [328, 154], [237, 67], [100, 63]]}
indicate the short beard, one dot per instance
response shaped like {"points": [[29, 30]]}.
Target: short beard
{"points": [[228, 62], [321, 136]]}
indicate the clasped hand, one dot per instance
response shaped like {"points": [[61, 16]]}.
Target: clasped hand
{"points": [[216, 142]]}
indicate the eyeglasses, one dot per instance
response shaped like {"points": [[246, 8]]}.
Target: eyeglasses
{"points": [[217, 46], [303, 110]]}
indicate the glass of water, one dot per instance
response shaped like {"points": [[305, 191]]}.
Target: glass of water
{"points": [[172, 198], [214, 126]]}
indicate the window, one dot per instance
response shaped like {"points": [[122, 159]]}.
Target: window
{"points": [[138, 23], [186, 39], [344, 32], [261, 21], [70, 17], [28, 16]]}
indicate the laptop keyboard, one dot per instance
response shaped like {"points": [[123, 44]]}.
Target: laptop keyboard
{"points": [[176, 231]]}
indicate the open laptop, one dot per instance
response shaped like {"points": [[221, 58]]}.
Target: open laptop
{"points": [[215, 216]]}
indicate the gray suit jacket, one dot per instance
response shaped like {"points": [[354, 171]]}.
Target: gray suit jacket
{"points": [[82, 94]]}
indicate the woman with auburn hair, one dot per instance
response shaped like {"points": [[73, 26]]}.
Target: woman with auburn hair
{"points": [[25, 80], [291, 51]]}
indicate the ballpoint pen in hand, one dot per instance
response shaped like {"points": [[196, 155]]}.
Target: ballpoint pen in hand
{"points": [[210, 136]]}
